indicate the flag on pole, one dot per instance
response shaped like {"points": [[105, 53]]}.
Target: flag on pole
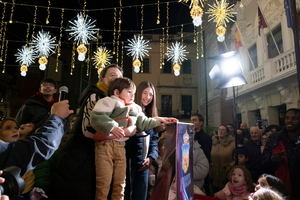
{"points": [[288, 13], [261, 21], [237, 39]]}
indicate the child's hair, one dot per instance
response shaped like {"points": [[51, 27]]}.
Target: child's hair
{"points": [[267, 194], [247, 175], [120, 84], [239, 151], [5, 120], [275, 183]]}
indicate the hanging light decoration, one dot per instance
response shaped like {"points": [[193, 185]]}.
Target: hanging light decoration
{"points": [[44, 44], [82, 29], [25, 56], [101, 58], [138, 48], [221, 13], [196, 11], [177, 54]]}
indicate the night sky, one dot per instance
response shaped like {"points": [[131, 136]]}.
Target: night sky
{"points": [[13, 85]]}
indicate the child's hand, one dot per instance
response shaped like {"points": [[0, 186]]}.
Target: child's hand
{"points": [[130, 131], [118, 132]]}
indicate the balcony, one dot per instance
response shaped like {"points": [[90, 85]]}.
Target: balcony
{"points": [[273, 70]]}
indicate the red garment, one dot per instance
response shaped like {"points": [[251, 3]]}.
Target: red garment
{"points": [[238, 191], [282, 170]]}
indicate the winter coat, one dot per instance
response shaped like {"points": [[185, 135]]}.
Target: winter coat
{"points": [[74, 173], [221, 157], [111, 112], [200, 165], [35, 110], [29, 152]]}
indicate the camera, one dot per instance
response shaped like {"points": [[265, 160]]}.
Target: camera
{"points": [[14, 184]]}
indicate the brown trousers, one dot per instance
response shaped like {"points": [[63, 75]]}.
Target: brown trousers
{"points": [[110, 162]]}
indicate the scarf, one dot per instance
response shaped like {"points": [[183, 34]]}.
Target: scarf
{"points": [[40, 97], [238, 190], [100, 85]]}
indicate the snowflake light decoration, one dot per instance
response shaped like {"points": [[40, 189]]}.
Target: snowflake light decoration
{"points": [[101, 58], [138, 48], [43, 43], [82, 29], [25, 55], [177, 54], [221, 13]]}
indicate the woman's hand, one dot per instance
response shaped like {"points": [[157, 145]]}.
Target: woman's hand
{"points": [[166, 120], [146, 164]]}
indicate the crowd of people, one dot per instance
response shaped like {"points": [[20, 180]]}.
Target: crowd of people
{"points": [[114, 145]]}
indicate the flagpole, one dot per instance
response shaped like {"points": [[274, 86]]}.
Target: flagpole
{"points": [[240, 34], [269, 29]]}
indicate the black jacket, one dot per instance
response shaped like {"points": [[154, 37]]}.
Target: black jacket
{"points": [[205, 141], [73, 176], [293, 155], [35, 110], [135, 147]]}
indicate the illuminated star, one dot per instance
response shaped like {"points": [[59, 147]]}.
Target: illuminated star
{"points": [[82, 29], [221, 12], [102, 57], [25, 55], [176, 53], [43, 43], [138, 47]]}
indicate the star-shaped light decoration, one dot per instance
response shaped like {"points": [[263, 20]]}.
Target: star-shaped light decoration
{"points": [[25, 56], [102, 58], [138, 48], [177, 54], [82, 29], [221, 13], [44, 44]]}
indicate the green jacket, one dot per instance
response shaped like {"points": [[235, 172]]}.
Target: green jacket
{"points": [[111, 112]]}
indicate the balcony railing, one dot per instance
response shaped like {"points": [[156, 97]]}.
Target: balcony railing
{"points": [[272, 70]]}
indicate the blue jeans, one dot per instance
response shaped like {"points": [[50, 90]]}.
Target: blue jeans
{"points": [[139, 183]]}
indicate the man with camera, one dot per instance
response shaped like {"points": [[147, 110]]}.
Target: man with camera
{"points": [[2, 197], [28, 152]]}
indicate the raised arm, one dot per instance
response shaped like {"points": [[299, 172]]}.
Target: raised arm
{"points": [[29, 152]]}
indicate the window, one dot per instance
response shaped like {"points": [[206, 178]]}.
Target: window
{"points": [[253, 55], [167, 67], [276, 36], [145, 66], [186, 67], [186, 105], [166, 105]]}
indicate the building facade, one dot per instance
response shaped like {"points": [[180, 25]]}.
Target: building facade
{"points": [[176, 95]]}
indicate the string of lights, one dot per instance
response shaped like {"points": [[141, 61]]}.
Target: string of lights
{"points": [[89, 10]]}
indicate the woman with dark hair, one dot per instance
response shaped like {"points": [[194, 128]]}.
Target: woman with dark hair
{"points": [[141, 149], [272, 182]]}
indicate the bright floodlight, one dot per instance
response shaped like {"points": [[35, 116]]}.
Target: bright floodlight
{"points": [[229, 71], [233, 81], [230, 66], [214, 72]]}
